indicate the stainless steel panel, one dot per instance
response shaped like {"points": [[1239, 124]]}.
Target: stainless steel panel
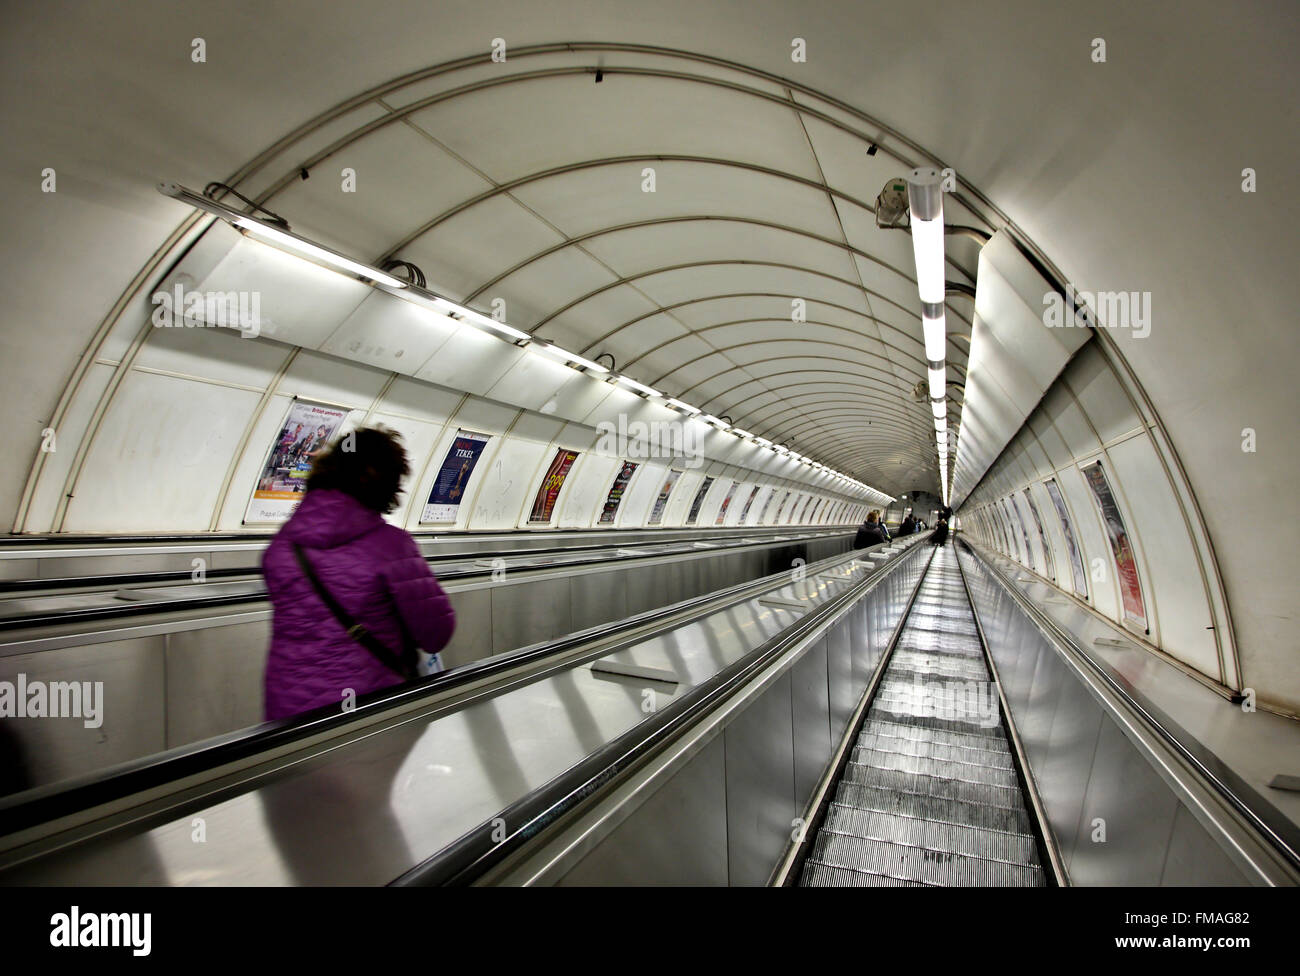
{"points": [[839, 676], [528, 613], [130, 702], [472, 639], [214, 681], [1138, 811], [760, 786], [598, 598], [677, 837], [1195, 859], [1062, 774], [810, 703], [647, 588]]}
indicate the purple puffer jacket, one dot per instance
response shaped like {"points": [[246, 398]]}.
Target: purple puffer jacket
{"points": [[375, 571]]}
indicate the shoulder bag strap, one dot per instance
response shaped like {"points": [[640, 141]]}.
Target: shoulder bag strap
{"points": [[356, 630]]}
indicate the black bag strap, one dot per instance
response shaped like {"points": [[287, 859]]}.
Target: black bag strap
{"points": [[356, 630]]}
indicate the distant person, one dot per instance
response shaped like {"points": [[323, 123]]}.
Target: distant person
{"points": [[908, 526], [870, 533], [880, 520], [371, 571], [940, 532]]}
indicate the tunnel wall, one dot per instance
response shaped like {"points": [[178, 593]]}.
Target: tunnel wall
{"points": [[1086, 418]]}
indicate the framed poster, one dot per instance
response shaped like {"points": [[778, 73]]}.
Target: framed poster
{"points": [[616, 492], [306, 432], [549, 491], [744, 512], [1130, 586], [780, 511], [448, 489], [726, 503], [657, 512], [698, 501], [1077, 574], [1042, 536]]}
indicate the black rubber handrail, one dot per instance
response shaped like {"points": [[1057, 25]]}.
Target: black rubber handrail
{"points": [[47, 803], [474, 853], [143, 608]]}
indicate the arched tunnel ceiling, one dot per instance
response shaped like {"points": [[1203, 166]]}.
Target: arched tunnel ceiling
{"points": [[673, 215], [522, 180]]}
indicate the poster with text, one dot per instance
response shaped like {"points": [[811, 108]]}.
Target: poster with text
{"points": [[1078, 575], [744, 512], [726, 503], [616, 492], [698, 501], [1130, 587], [448, 489], [305, 433], [657, 512], [1042, 535], [544, 503]]}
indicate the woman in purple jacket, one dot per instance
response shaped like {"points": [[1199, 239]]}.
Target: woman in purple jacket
{"points": [[373, 570]]}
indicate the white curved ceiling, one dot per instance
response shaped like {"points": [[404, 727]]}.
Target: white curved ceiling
{"points": [[522, 180]]}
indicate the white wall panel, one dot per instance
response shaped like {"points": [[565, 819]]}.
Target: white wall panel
{"points": [[1090, 535], [592, 476], [222, 355], [508, 484], [641, 494], [160, 456]]}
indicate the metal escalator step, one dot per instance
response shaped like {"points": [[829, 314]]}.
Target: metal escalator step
{"points": [[932, 766], [926, 806], [909, 662], [933, 835], [991, 740], [917, 864], [878, 741], [901, 781], [817, 875], [908, 713], [937, 642]]}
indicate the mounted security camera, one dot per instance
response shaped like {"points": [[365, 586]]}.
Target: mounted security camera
{"points": [[891, 204]]}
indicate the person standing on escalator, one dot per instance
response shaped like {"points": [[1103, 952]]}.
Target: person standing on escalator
{"points": [[940, 535], [869, 533], [352, 596]]}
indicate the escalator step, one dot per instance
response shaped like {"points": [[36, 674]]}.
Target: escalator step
{"points": [[930, 766], [927, 806], [903, 781], [918, 864], [990, 740], [907, 713], [816, 875], [879, 741], [933, 835]]}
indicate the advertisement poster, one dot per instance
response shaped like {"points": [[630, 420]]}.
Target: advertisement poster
{"points": [[780, 509], [657, 512], [767, 504], [616, 491], [1076, 558], [803, 509], [1042, 536], [1130, 587], [1019, 537], [744, 512], [448, 489], [544, 503], [726, 503], [306, 432], [698, 501]]}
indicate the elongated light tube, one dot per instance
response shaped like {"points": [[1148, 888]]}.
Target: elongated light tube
{"points": [[303, 248], [936, 377], [569, 357], [674, 402], [639, 387], [935, 327]]}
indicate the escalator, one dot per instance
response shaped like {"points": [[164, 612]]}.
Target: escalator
{"points": [[929, 795]]}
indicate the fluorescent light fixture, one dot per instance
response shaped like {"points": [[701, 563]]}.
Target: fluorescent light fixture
{"points": [[935, 327], [553, 350], [674, 402], [462, 314], [741, 433], [718, 422], [941, 424], [639, 387], [306, 249], [763, 440], [936, 377], [938, 409], [925, 200]]}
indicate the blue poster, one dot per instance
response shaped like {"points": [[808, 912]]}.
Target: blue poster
{"points": [[453, 477]]}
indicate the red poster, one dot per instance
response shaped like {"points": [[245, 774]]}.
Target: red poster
{"points": [[544, 503], [1130, 587]]}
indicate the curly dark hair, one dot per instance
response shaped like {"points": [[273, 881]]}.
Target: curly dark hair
{"points": [[368, 464]]}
